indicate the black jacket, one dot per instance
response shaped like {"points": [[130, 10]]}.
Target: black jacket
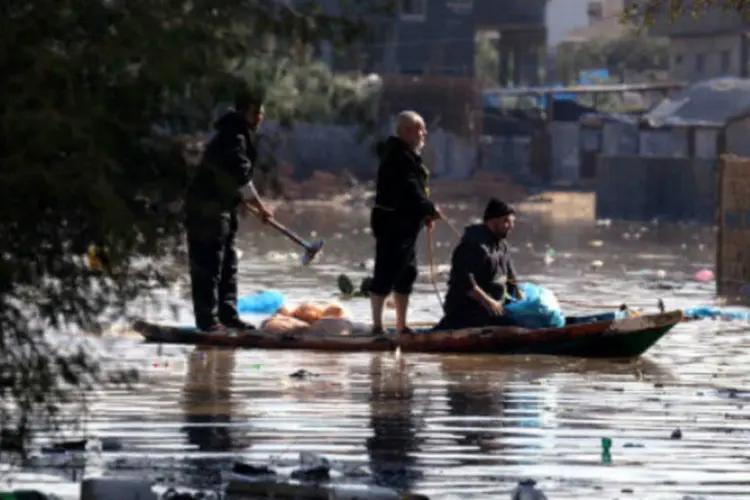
{"points": [[402, 183], [484, 256], [226, 167]]}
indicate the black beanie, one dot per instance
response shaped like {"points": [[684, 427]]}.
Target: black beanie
{"points": [[496, 208]]}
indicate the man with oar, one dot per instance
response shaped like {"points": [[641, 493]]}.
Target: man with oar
{"points": [[402, 208], [221, 187], [482, 277]]}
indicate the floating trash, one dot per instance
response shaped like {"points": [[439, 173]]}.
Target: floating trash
{"points": [[715, 313], [606, 455], [704, 275], [526, 490]]}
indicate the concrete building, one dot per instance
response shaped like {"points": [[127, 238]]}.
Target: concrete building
{"points": [[603, 23], [437, 37], [713, 44]]}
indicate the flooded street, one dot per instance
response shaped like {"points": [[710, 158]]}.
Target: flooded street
{"points": [[457, 426]]}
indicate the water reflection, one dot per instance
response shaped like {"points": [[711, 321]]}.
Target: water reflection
{"points": [[490, 418], [475, 403], [393, 423], [208, 407]]}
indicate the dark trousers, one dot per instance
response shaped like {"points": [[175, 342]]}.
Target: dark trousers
{"points": [[213, 267], [395, 253]]}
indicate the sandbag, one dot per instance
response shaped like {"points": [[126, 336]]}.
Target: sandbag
{"points": [[279, 323], [306, 316], [538, 308]]}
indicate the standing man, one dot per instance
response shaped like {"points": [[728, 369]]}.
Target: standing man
{"points": [[482, 276], [221, 187], [402, 208]]}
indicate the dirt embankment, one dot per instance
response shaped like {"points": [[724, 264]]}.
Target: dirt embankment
{"points": [[329, 188], [345, 192]]}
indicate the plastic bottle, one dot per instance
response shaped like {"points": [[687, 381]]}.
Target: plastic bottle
{"points": [[606, 456]]}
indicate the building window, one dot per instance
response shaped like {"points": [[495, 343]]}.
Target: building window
{"points": [[700, 62], [726, 62], [413, 10]]}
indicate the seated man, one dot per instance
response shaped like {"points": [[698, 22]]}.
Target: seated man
{"points": [[482, 276]]}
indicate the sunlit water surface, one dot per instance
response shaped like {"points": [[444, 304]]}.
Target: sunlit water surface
{"points": [[456, 426]]}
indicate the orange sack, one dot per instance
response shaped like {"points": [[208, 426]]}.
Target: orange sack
{"points": [[279, 323], [288, 320]]}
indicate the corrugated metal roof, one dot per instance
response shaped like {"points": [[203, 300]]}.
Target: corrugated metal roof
{"points": [[711, 102]]}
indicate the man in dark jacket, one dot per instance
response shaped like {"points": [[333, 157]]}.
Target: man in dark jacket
{"points": [[221, 188], [482, 277], [402, 208]]}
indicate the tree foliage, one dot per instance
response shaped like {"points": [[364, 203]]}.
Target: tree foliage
{"points": [[647, 12], [630, 53], [92, 98]]}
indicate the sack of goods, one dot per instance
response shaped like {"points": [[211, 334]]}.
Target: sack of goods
{"points": [[538, 308]]}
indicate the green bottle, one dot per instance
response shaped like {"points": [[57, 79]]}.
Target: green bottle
{"points": [[606, 457]]}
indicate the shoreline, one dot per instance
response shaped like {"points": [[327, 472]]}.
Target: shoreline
{"points": [[558, 205]]}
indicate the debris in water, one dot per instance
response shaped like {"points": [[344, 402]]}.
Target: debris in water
{"points": [[303, 374], [313, 474], [549, 256], [526, 490], [596, 264], [252, 470], [606, 456], [676, 434], [596, 243], [704, 275]]}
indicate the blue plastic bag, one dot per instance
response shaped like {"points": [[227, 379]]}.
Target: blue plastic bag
{"points": [[539, 308], [716, 313], [265, 302]]}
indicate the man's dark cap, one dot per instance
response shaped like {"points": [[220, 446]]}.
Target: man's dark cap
{"points": [[497, 208]]}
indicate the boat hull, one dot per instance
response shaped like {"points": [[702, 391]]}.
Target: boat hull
{"points": [[609, 338]]}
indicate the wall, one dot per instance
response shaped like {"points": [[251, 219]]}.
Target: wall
{"points": [[737, 132], [670, 189], [566, 151], [700, 57], [335, 148], [732, 249]]}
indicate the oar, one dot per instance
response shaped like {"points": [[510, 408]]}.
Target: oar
{"points": [[311, 249]]}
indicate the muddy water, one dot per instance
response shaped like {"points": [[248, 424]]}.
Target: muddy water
{"points": [[459, 427]]}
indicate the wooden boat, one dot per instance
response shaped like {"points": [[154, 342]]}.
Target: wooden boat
{"points": [[600, 336]]}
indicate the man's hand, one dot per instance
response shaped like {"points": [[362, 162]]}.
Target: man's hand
{"points": [[430, 222], [495, 307], [259, 209]]}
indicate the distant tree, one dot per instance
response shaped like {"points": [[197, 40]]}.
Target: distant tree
{"points": [[94, 100], [486, 59], [631, 53], [646, 12]]}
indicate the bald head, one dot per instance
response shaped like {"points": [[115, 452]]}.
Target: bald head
{"points": [[411, 129]]}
